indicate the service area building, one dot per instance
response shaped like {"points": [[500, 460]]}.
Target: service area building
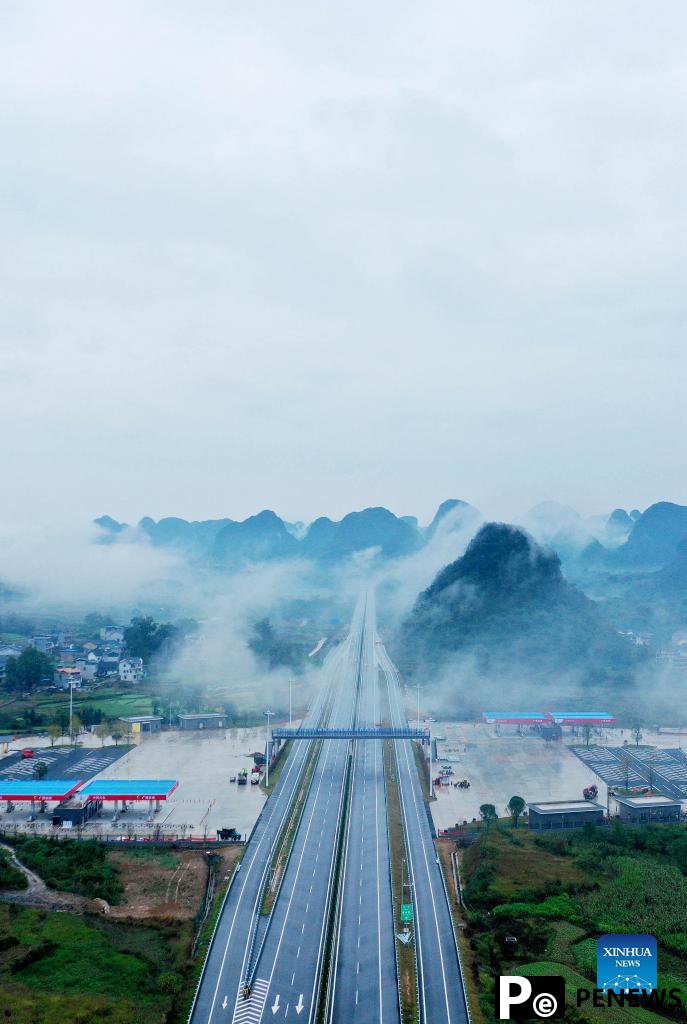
{"points": [[141, 723], [209, 720], [557, 814], [640, 810]]}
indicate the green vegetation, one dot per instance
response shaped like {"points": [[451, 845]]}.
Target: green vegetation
{"points": [[10, 877], [28, 670], [70, 866], [557, 893], [57, 967]]}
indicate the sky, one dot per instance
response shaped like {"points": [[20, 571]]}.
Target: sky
{"points": [[317, 257]]}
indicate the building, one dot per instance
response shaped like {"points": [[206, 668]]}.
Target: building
{"points": [[67, 677], [558, 814], [131, 670], [643, 809], [207, 720], [112, 633], [137, 724]]}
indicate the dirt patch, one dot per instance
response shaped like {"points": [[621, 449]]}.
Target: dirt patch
{"points": [[160, 883]]}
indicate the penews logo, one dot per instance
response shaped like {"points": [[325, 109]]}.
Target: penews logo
{"points": [[519, 998], [626, 963]]}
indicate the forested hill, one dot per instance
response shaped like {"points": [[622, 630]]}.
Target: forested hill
{"points": [[506, 604]]}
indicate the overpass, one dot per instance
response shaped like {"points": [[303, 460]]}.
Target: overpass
{"points": [[374, 733]]}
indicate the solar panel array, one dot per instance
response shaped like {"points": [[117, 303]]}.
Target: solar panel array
{"points": [[664, 768]]}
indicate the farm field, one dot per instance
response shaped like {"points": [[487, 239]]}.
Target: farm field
{"points": [[556, 894]]}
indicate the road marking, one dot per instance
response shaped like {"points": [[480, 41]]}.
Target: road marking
{"points": [[275, 1004], [299, 1005], [249, 1011]]}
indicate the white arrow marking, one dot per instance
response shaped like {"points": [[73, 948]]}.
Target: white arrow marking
{"points": [[299, 1005], [224, 1004], [275, 1007]]}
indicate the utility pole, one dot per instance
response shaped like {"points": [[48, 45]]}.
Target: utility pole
{"points": [[290, 685], [71, 709], [418, 704], [268, 714]]}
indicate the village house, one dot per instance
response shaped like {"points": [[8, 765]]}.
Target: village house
{"points": [[131, 670]]}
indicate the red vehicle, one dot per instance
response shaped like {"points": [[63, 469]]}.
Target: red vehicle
{"points": [[28, 752]]}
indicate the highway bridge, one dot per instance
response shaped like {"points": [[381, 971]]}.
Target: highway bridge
{"points": [[322, 949], [357, 733]]}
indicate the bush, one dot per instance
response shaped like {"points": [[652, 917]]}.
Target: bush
{"points": [[79, 866], [10, 877]]}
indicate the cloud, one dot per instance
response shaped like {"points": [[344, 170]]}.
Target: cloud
{"points": [[255, 260]]}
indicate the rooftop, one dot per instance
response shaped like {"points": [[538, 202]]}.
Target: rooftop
{"points": [[129, 789], [565, 806], [647, 801], [205, 714], [140, 718], [35, 789]]}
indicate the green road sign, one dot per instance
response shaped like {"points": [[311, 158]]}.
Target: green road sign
{"points": [[406, 911]]}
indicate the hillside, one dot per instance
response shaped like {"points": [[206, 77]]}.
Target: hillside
{"points": [[226, 543], [506, 607]]}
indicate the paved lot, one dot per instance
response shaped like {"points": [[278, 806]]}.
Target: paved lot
{"points": [[203, 763], [62, 762], [499, 767]]}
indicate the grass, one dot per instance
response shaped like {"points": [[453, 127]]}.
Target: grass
{"points": [[57, 967], [111, 701], [397, 851], [470, 967], [71, 866]]}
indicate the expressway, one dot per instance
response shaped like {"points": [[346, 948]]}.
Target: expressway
{"points": [[364, 985], [440, 977], [326, 952], [221, 977]]}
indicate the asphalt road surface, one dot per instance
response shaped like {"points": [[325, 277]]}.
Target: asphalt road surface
{"points": [[365, 989], [440, 980]]}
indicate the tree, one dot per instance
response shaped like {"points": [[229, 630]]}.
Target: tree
{"points": [[144, 637], [587, 732], [116, 734], [488, 814], [28, 670], [516, 805], [40, 770], [102, 732], [55, 733]]}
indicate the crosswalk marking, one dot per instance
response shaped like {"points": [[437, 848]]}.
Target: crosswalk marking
{"points": [[249, 1011]]}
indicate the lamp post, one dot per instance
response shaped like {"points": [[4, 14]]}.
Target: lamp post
{"points": [[290, 686], [268, 714], [71, 710], [418, 704]]}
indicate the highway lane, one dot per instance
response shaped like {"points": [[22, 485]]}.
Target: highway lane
{"points": [[365, 989], [219, 983], [440, 980], [288, 972]]}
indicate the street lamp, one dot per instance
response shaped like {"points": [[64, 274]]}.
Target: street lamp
{"points": [[268, 714], [290, 686]]}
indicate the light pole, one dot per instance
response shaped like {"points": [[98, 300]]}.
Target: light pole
{"points": [[290, 686], [268, 714], [71, 710], [418, 704]]}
